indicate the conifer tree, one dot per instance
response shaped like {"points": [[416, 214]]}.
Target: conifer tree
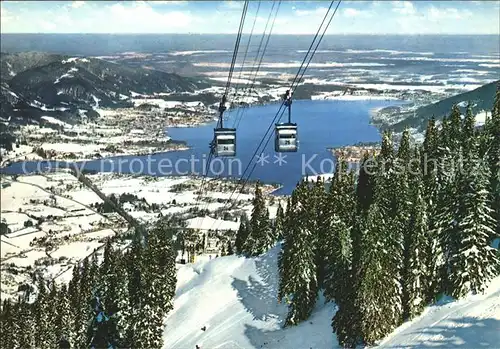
{"points": [[387, 148], [115, 297], [404, 150], [429, 161], [83, 313], [299, 285], [271, 236], [413, 226], [365, 183], [62, 323], [287, 215], [94, 271], [336, 243], [374, 315], [100, 332], [492, 151], [285, 258], [377, 281], [242, 234], [339, 259], [346, 322], [120, 309], [261, 236], [230, 251], [468, 131], [4, 317], [391, 193], [10, 332], [42, 313], [52, 309], [386, 191], [145, 333], [25, 315], [134, 266], [432, 254], [446, 206], [454, 130], [11, 329], [157, 288], [279, 223], [75, 307], [415, 240], [474, 262], [318, 218]]}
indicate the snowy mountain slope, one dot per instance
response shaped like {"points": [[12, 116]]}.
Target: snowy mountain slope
{"points": [[60, 86], [235, 298], [481, 98], [473, 322]]}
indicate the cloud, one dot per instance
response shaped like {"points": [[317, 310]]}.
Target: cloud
{"points": [[352, 12], [233, 5], [77, 4], [403, 7], [6, 17], [436, 14], [142, 15], [404, 17], [172, 2], [317, 11], [48, 26]]}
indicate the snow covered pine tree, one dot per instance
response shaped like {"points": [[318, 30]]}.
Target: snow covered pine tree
{"points": [[99, 329]]}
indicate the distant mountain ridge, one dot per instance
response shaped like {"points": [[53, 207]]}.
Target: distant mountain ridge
{"points": [[35, 83], [481, 99]]}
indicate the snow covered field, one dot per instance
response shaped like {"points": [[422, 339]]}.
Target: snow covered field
{"points": [[235, 298], [54, 223], [49, 232]]}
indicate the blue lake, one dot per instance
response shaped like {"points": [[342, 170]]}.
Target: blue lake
{"points": [[321, 124]]}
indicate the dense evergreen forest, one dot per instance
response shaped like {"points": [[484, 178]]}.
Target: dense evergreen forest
{"points": [[119, 303], [415, 223]]}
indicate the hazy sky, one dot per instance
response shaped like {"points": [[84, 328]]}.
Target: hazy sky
{"points": [[294, 17]]}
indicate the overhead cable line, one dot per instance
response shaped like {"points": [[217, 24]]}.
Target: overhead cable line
{"points": [[248, 45], [292, 88], [297, 81], [258, 61], [222, 105]]}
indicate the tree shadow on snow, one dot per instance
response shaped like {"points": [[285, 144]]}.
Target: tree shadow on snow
{"points": [[259, 297], [468, 332]]}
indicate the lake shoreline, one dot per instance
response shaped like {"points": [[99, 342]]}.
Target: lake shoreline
{"points": [[352, 126]]}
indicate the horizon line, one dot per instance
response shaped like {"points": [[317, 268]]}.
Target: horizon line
{"points": [[289, 34]]}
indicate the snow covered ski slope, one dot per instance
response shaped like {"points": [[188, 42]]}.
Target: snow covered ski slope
{"points": [[470, 323], [235, 298]]}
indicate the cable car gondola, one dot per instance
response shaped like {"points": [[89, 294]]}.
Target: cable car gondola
{"points": [[224, 142], [286, 133], [286, 138]]}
